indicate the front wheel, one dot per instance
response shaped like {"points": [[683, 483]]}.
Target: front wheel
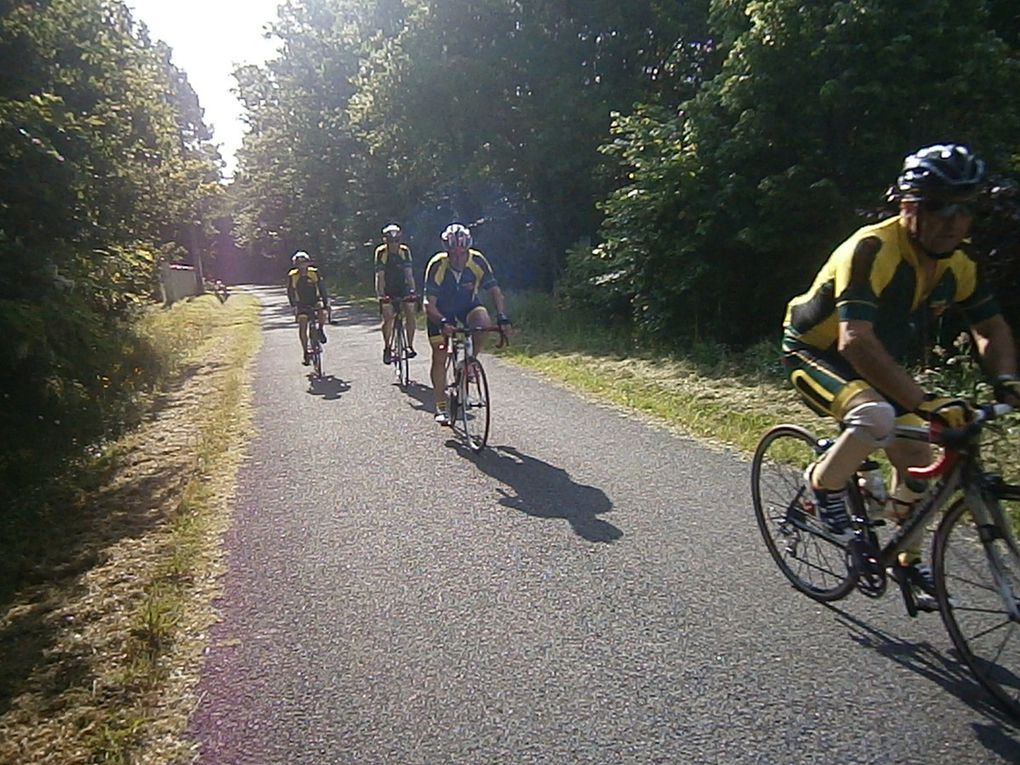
{"points": [[977, 581], [400, 360], [814, 564], [473, 400]]}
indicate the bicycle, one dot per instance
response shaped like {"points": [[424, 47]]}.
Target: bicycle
{"points": [[314, 346], [975, 557], [399, 358], [467, 390]]}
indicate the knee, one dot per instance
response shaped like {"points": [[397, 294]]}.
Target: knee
{"points": [[872, 421]]}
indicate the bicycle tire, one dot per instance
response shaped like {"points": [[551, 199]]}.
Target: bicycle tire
{"points": [[813, 563], [972, 607], [401, 363], [316, 352], [474, 412]]}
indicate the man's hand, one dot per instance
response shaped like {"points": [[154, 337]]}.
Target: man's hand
{"points": [[1007, 390], [953, 413], [448, 327]]}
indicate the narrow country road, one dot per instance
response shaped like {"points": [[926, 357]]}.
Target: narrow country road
{"points": [[591, 589]]}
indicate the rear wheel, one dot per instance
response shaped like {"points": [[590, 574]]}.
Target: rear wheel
{"points": [[473, 395], [978, 584], [814, 564]]}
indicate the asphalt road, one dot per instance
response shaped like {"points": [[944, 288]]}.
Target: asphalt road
{"points": [[591, 589]]}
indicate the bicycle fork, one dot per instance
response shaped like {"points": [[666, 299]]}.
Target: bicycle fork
{"points": [[992, 525]]}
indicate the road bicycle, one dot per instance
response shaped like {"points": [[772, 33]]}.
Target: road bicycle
{"points": [[467, 390], [399, 358], [975, 557], [314, 345]]}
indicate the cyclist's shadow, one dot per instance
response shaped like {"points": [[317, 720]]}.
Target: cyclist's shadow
{"points": [[422, 396], [544, 491], [329, 387], [951, 674]]}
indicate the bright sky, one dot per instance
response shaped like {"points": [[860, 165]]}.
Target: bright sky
{"points": [[209, 38]]}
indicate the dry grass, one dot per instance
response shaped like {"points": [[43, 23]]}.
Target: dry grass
{"points": [[725, 410], [102, 658]]}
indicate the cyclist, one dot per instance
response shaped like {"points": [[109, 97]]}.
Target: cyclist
{"points": [[453, 279], [394, 281], [306, 292], [872, 298]]}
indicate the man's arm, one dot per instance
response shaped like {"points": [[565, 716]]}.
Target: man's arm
{"points": [[995, 345], [409, 277], [291, 292], [859, 345], [497, 298]]}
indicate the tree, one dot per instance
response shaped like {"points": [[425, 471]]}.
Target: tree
{"points": [[732, 203]]}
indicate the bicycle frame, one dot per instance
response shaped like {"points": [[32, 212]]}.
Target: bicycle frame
{"points": [[960, 470]]}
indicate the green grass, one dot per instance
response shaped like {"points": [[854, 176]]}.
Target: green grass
{"points": [[710, 391], [129, 551]]}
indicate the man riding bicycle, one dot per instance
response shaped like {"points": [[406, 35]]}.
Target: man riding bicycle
{"points": [[866, 307], [394, 281], [453, 279], [306, 292]]}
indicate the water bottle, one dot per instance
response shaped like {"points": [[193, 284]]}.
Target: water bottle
{"points": [[873, 489]]}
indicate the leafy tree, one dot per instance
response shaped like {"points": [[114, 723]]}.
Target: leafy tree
{"points": [[732, 204], [96, 179]]}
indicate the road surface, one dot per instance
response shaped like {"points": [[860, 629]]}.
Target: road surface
{"points": [[591, 589]]}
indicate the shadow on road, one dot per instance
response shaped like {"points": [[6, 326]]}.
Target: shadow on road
{"points": [[542, 490], [951, 674], [329, 387], [421, 396]]}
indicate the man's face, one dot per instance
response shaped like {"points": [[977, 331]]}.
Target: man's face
{"points": [[303, 265], [393, 243], [940, 225], [458, 257]]}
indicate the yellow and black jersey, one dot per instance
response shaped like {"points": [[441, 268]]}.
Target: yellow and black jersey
{"points": [[453, 292], [875, 276], [307, 289], [393, 265]]}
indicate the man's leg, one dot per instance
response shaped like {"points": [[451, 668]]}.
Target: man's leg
{"points": [[438, 373], [409, 325], [323, 318], [865, 432], [387, 331], [478, 317], [302, 320], [906, 491]]}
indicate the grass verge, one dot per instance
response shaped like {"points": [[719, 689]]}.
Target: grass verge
{"points": [[724, 397], [102, 643]]}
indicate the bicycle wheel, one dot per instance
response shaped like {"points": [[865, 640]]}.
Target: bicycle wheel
{"points": [[974, 602], [814, 564], [473, 395], [401, 363], [316, 352]]}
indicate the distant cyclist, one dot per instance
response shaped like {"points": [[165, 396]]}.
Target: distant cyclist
{"points": [[453, 279], [394, 281], [844, 337], [306, 292]]}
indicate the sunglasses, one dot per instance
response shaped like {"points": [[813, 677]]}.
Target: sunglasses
{"points": [[946, 209]]}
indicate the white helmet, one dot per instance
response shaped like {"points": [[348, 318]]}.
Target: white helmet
{"points": [[391, 231], [300, 255], [457, 235]]}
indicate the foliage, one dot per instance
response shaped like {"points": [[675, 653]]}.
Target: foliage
{"points": [[486, 111], [731, 203], [105, 162]]}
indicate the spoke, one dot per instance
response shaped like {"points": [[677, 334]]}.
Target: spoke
{"points": [[993, 663]]}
